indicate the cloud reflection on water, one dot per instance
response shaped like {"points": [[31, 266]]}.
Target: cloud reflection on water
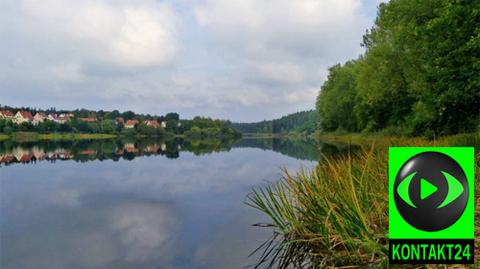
{"points": [[146, 213]]}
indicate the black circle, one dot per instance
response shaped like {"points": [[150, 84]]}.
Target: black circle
{"points": [[426, 215]]}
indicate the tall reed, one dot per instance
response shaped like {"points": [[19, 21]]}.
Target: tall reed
{"points": [[336, 215]]}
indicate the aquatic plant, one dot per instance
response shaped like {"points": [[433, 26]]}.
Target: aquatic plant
{"points": [[337, 213]]}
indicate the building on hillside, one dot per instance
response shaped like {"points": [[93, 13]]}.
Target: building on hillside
{"points": [[163, 124], [52, 117], [23, 116], [152, 123], [63, 118], [6, 114], [39, 118], [131, 124], [88, 119]]}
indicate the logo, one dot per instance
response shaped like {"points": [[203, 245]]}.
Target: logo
{"points": [[431, 211]]}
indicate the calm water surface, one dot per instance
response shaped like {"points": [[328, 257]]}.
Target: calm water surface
{"points": [[137, 204]]}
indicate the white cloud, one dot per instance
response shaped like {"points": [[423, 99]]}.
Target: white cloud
{"points": [[286, 29], [66, 72], [239, 59], [119, 33], [143, 228], [278, 72], [283, 46]]}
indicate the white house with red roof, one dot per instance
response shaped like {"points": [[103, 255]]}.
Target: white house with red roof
{"points": [[130, 124], [6, 114], [22, 116], [152, 123], [39, 118]]}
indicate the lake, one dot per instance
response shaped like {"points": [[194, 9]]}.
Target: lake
{"points": [[140, 203]]}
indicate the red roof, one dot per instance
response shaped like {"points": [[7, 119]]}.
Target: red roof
{"points": [[8, 159], [26, 157], [26, 115], [6, 113], [152, 123], [131, 122], [65, 118], [41, 114], [89, 119], [88, 152]]}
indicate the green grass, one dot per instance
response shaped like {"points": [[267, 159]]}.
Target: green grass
{"points": [[4, 137], [33, 136], [74, 136], [336, 214]]}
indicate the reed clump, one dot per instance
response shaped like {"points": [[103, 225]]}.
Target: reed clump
{"points": [[336, 215]]}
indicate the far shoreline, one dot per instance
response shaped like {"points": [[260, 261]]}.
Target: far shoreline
{"points": [[34, 136]]}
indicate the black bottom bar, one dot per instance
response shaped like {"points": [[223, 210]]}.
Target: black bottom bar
{"points": [[431, 251]]}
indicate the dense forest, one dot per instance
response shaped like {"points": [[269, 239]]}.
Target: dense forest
{"points": [[299, 122], [419, 75]]}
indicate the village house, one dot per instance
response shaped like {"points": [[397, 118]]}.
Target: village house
{"points": [[131, 124], [151, 123], [62, 118], [23, 116], [70, 115], [39, 118], [163, 124], [6, 114], [52, 117]]}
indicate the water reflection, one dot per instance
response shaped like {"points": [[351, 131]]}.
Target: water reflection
{"points": [[179, 208], [12, 152], [88, 150], [302, 149]]}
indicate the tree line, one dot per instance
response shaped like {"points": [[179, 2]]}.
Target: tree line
{"points": [[299, 122], [106, 122], [419, 74]]}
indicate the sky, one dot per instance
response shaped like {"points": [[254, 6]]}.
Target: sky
{"points": [[243, 60]]}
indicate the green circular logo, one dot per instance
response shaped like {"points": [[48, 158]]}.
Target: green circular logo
{"points": [[431, 191]]}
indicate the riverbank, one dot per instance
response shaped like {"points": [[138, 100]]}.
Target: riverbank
{"points": [[359, 139], [33, 136], [336, 214], [289, 135], [259, 135]]}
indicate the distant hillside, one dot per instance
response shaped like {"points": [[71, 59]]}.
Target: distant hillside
{"points": [[300, 122]]}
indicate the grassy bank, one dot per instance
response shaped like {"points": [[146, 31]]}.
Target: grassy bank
{"points": [[286, 135], [70, 136], [32, 136], [259, 135], [336, 214], [4, 137]]}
